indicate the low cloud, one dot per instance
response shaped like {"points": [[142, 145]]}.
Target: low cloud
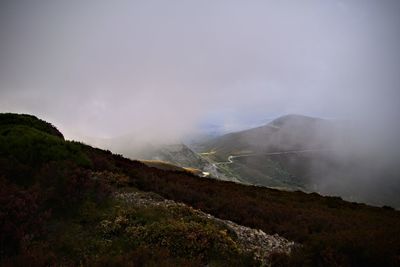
{"points": [[159, 69]]}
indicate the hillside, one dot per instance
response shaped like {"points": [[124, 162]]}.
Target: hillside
{"points": [[287, 133], [296, 152], [66, 203], [278, 154], [170, 155], [177, 154]]}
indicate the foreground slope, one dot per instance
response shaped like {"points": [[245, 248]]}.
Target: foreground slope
{"points": [[59, 207]]}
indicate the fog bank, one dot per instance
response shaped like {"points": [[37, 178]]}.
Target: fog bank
{"points": [[159, 70]]}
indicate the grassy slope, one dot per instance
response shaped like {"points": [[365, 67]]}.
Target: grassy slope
{"points": [[63, 205]]}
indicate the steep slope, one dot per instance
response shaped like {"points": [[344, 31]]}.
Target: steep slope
{"points": [[164, 155], [177, 154], [96, 212]]}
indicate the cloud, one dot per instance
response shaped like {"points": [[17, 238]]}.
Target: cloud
{"points": [[160, 68]]}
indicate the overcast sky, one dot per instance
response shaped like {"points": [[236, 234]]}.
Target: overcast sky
{"points": [[109, 68]]}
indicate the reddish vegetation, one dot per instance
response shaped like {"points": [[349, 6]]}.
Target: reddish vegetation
{"points": [[334, 232], [20, 206]]}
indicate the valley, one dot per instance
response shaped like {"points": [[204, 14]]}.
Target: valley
{"points": [[296, 152], [292, 152]]}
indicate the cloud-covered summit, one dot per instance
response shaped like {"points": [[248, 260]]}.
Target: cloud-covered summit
{"points": [[161, 68]]}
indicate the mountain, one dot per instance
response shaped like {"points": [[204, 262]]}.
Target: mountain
{"points": [[64, 203], [311, 154], [291, 132], [265, 155]]}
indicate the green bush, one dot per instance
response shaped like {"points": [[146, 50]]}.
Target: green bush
{"points": [[27, 149], [29, 121]]}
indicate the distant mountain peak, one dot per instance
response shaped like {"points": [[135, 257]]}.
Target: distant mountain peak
{"points": [[293, 118]]}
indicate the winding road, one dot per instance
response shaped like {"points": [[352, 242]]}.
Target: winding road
{"points": [[231, 157]]}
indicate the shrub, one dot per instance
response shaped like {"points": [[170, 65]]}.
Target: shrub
{"points": [[22, 218], [29, 121]]}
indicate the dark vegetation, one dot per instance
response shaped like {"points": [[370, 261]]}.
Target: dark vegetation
{"points": [[54, 211], [30, 121]]}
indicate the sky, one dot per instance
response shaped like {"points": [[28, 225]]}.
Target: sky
{"points": [[164, 69]]}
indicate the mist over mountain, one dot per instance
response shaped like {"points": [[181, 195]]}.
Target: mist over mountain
{"points": [[159, 70], [291, 132], [208, 133], [298, 152], [292, 152]]}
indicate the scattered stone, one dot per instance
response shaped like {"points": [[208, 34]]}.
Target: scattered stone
{"points": [[254, 241]]}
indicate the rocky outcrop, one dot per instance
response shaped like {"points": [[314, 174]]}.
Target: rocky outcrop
{"points": [[253, 241]]}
